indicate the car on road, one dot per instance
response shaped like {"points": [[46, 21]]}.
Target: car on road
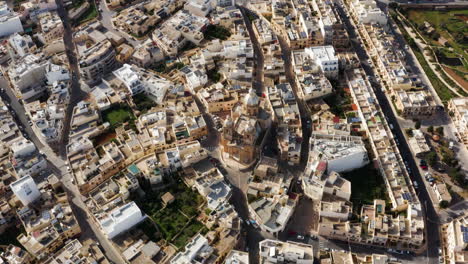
{"points": [[300, 237]]}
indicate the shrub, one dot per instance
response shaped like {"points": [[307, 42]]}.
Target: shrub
{"points": [[443, 204], [417, 125]]}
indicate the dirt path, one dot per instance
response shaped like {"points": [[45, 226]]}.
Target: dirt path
{"points": [[458, 78]]}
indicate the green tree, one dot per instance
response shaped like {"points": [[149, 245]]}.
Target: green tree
{"points": [[409, 132], [443, 204], [417, 125], [430, 129], [431, 158], [440, 131]]}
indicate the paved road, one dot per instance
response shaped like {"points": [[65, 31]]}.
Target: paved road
{"points": [[258, 53], [76, 94], [441, 118], [106, 19], [432, 226]]}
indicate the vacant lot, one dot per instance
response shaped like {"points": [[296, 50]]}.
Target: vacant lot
{"points": [[366, 185]]}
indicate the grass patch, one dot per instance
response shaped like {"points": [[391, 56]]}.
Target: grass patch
{"points": [[216, 32], [88, 15], [117, 115], [214, 75], [189, 231], [451, 25], [366, 185]]}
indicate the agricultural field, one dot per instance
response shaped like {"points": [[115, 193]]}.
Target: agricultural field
{"points": [[448, 37]]}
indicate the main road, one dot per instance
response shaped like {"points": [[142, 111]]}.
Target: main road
{"points": [[431, 217]]}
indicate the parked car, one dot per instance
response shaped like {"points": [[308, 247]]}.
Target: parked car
{"points": [[300, 237]]}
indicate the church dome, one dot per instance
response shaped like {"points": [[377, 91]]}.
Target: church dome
{"points": [[251, 99]]}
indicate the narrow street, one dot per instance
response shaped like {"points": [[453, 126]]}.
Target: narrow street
{"points": [[76, 94], [432, 220]]}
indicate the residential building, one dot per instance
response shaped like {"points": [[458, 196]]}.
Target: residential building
{"points": [[417, 103], [26, 159], [442, 193], [49, 223], [27, 76], [195, 76], [331, 25], [458, 107], [137, 80], [20, 46], [96, 61], [9, 21], [389, 162], [325, 58], [274, 251], [287, 115], [317, 184], [15, 255], [217, 99], [147, 54], [134, 20], [86, 253], [272, 206], [200, 8], [454, 237], [178, 30], [366, 11], [47, 117], [418, 143], [51, 26]]}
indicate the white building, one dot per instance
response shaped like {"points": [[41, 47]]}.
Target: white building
{"points": [[25, 190], [196, 252], [9, 21], [20, 45], [274, 251], [22, 148], [121, 219], [237, 257], [196, 77], [368, 12], [325, 58], [200, 7], [342, 153], [130, 79], [455, 235]]}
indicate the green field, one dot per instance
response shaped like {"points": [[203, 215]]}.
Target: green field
{"points": [[451, 25]]}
